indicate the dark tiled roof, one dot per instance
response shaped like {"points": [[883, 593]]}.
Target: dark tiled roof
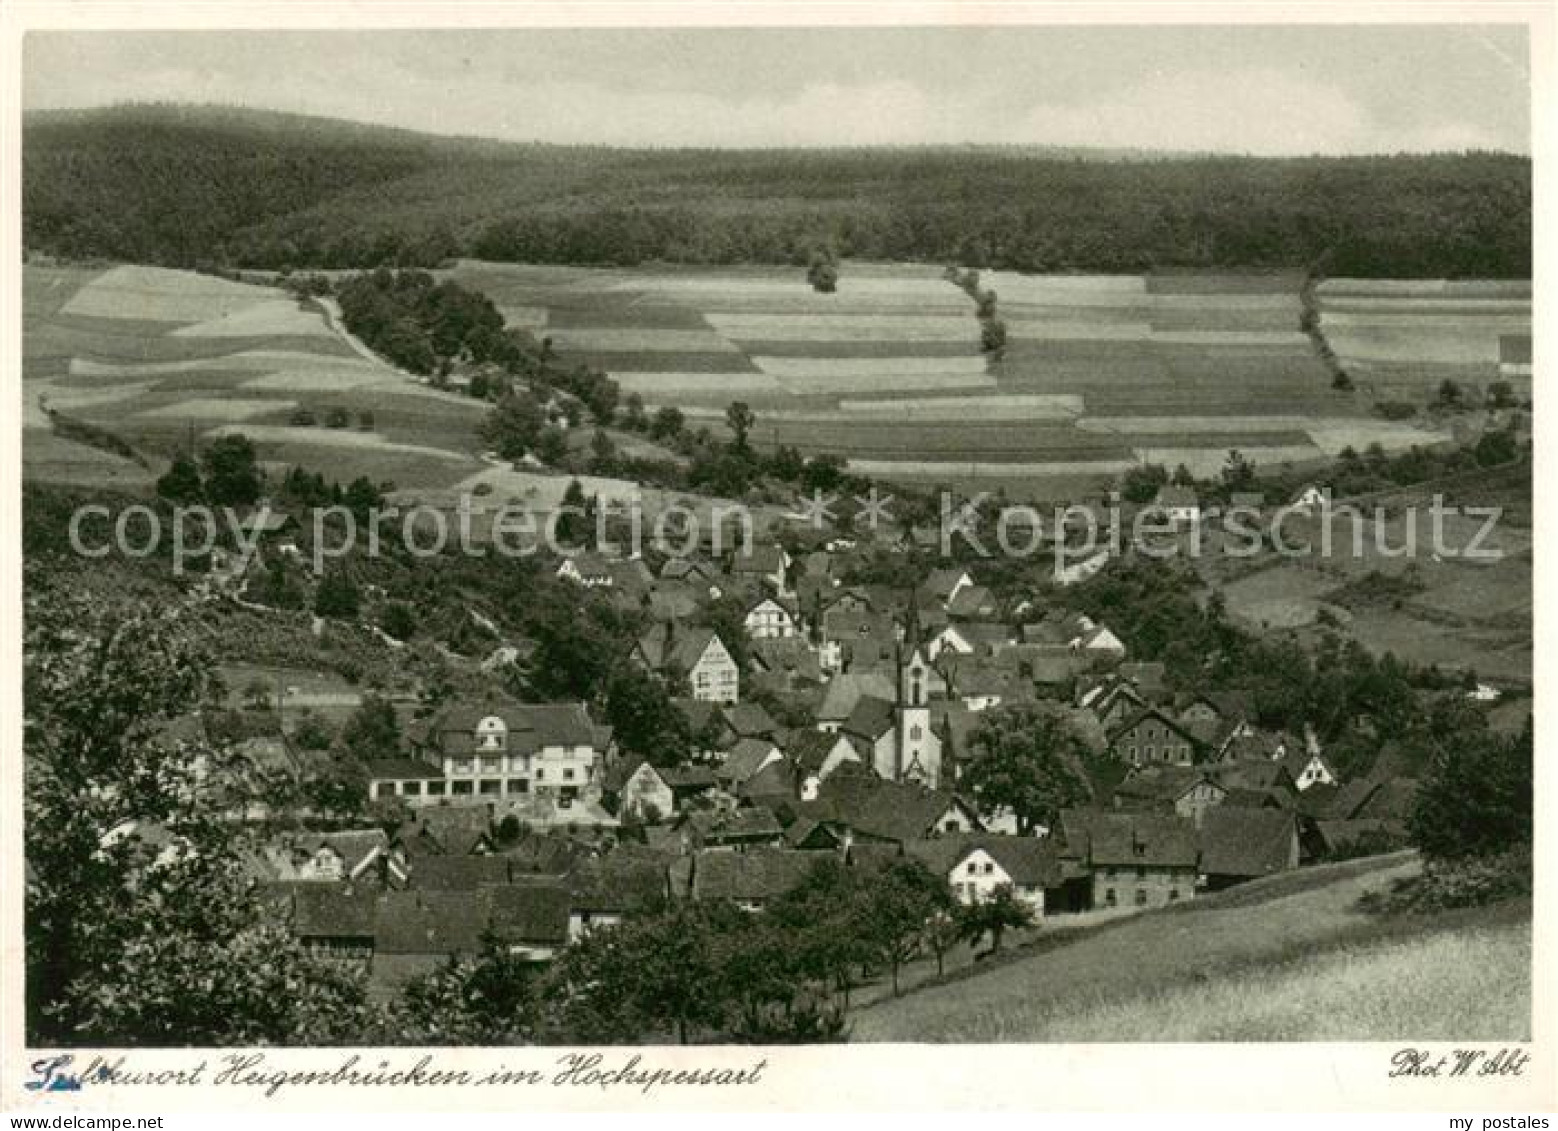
{"points": [[1133, 839], [870, 719], [327, 910], [536, 913], [750, 720], [460, 873], [758, 874], [746, 757], [1247, 842], [620, 882], [900, 811]]}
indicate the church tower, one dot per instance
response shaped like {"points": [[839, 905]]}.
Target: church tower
{"points": [[918, 746]]}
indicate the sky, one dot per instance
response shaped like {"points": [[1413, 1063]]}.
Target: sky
{"points": [[1271, 90]]}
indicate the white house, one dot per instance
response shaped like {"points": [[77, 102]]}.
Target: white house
{"points": [[769, 620], [1311, 498], [1179, 504]]}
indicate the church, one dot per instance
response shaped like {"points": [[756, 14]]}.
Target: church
{"points": [[911, 751]]}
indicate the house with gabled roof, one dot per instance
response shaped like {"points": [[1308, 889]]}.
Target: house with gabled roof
{"points": [[870, 808], [751, 880], [1189, 791], [1309, 768], [769, 618], [765, 563], [818, 755], [977, 865], [746, 758], [1151, 736], [739, 830], [1179, 504], [693, 659], [1239, 844], [944, 584], [477, 751], [1136, 859]]}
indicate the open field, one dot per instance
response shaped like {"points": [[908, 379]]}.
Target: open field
{"points": [[1131, 367], [1100, 371], [154, 356], [1285, 959], [1402, 338]]}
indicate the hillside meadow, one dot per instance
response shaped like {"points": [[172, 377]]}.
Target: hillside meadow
{"points": [[1292, 958]]}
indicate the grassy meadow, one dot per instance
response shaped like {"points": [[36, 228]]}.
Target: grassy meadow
{"points": [[1291, 958]]}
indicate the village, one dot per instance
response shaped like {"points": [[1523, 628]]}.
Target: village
{"points": [[845, 732]]}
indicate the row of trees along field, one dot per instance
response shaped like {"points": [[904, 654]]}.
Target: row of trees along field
{"points": [[185, 186]]}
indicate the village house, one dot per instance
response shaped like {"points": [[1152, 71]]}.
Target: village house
{"points": [[766, 564], [1186, 790], [654, 793], [770, 619], [622, 884], [1239, 844], [1309, 768], [1136, 859], [749, 880], [693, 658], [1179, 505], [978, 865], [472, 752], [943, 585], [860, 807], [818, 755], [357, 855], [1151, 736]]}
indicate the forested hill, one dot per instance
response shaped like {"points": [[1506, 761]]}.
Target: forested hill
{"points": [[193, 186]]}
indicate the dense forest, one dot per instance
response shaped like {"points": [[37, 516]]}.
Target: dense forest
{"points": [[189, 187]]}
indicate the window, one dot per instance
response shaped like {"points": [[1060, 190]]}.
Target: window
{"points": [[491, 786], [412, 788], [1109, 898], [1141, 897], [989, 869], [461, 788], [568, 774], [436, 788], [540, 774], [915, 732], [1108, 873], [1173, 895]]}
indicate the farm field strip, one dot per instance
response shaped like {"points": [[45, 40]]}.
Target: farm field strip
{"points": [[876, 382], [243, 362], [162, 295], [843, 327], [1424, 343], [218, 409], [997, 405], [1456, 288], [263, 319], [1206, 462], [531, 318], [980, 469], [827, 368], [614, 340], [1128, 425], [670, 383], [332, 438]]}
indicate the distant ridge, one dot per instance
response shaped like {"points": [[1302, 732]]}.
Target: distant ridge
{"points": [[184, 185]]}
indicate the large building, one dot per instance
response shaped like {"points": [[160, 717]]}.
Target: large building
{"points": [[475, 751]]}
